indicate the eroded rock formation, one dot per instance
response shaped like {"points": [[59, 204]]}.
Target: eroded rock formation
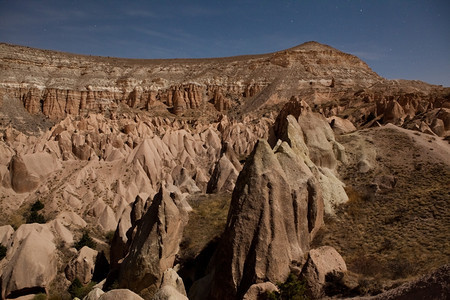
{"points": [[277, 206], [155, 245], [95, 139], [31, 262]]}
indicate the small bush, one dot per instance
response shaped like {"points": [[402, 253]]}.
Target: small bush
{"points": [[76, 289], [109, 236], [85, 240], [37, 206], [401, 268], [40, 296], [369, 286], [35, 217], [292, 289]]}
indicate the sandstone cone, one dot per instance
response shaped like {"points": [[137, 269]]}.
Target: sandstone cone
{"points": [[155, 245], [22, 180], [225, 172], [30, 264], [268, 225]]}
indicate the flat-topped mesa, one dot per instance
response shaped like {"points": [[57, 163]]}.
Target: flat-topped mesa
{"points": [[58, 84]]}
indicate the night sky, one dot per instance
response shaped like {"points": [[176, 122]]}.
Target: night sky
{"points": [[406, 39]]}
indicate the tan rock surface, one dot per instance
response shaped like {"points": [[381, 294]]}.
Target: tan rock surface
{"points": [[268, 225], [120, 294], [155, 245], [81, 83], [94, 294], [172, 287], [100, 138], [22, 180], [82, 266], [31, 263], [341, 126], [321, 262], [6, 233], [259, 290]]}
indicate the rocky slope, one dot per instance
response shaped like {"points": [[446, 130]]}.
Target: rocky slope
{"points": [[217, 178], [58, 84]]}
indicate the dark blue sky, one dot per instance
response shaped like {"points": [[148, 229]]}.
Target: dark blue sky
{"points": [[398, 38]]}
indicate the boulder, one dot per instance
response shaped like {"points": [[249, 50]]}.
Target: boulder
{"points": [[94, 294], [122, 294], [172, 287], [394, 113], [153, 249], [258, 291], [6, 231], [438, 127], [62, 232], [169, 292], [22, 181], [82, 266], [31, 262], [322, 262], [341, 126]]}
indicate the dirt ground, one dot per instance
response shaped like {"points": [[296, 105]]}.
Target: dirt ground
{"points": [[395, 225]]}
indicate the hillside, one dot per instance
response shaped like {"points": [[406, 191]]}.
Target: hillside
{"points": [[218, 178]]}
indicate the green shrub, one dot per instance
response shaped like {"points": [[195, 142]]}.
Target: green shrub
{"points": [[85, 240], [76, 288], [40, 296], [109, 236], [292, 289], [35, 217], [2, 251], [37, 206]]}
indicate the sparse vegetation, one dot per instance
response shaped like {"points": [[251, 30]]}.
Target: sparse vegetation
{"points": [[109, 236], [77, 289], [394, 233], [206, 222], [40, 296], [85, 240], [292, 289], [33, 216], [37, 206]]}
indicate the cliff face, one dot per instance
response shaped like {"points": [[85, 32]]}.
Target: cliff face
{"points": [[58, 84], [93, 139]]}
